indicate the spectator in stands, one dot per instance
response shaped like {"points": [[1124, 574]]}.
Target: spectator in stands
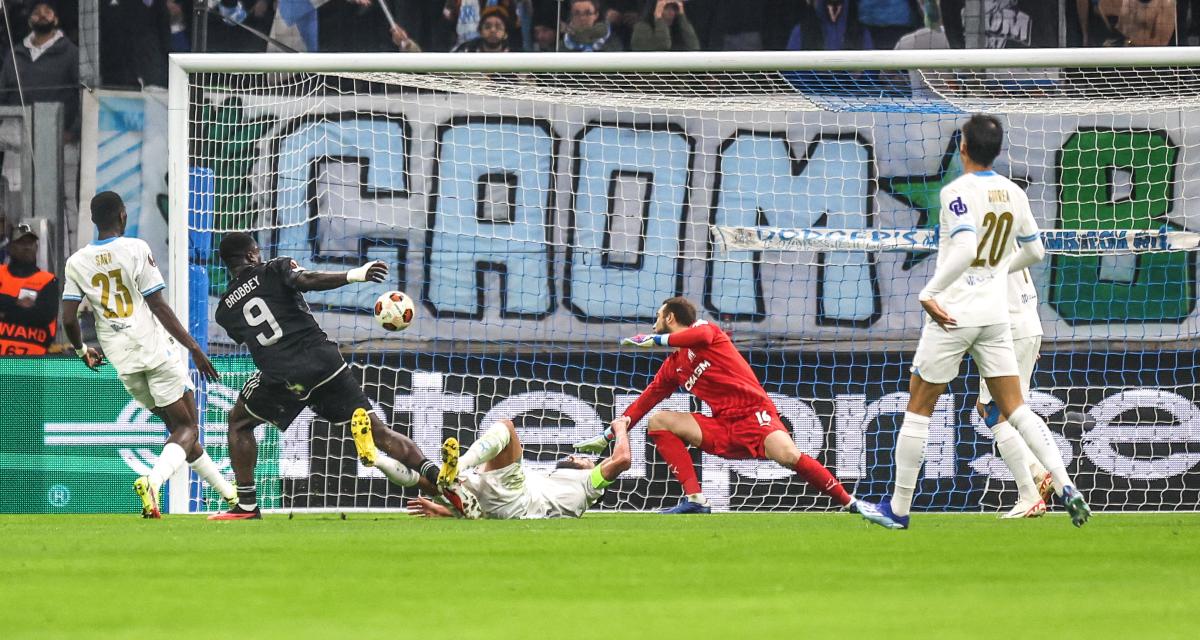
{"points": [[180, 41], [621, 16], [923, 38], [805, 33], [46, 64], [493, 33], [403, 41], [664, 27], [738, 26], [545, 33], [833, 17], [28, 299], [1115, 23], [466, 15], [586, 31], [886, 21], [135, 38]]}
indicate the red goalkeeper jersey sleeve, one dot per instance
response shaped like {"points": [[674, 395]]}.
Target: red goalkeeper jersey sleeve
{"points": [[707, 365]]}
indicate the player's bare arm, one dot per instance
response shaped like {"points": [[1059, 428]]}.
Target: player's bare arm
{"points": [[621, 458], [325, 280], [161, 310], [70, 322]]}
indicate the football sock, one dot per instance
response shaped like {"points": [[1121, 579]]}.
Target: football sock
{"points": [[429, 471], [698, 498], [247, 497], [488, 446], [818, 476], [910, 453], [672, 449], [1037, 435], [1016, 456], [208, 471], [169, 460], [396, 472]]}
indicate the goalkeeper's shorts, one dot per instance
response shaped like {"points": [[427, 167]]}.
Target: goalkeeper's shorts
{"points": [[738, 438]]}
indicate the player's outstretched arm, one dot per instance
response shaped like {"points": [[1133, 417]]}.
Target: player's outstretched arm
{"points": [[375, 271], [621, 458], [70, 323], [161, 310]]}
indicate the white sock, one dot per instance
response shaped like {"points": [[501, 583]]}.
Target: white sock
{"points": [[1016, 456], [396, 472], [488, 446], [169, 460], [698, 498], [910, 453], [1037, 435], [207, 470]]}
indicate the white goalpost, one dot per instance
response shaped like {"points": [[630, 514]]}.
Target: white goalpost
{"points": [[539, 207]]}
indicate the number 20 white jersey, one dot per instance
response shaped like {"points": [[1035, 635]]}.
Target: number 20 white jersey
{"points": [[997, 210], [116, 275]]}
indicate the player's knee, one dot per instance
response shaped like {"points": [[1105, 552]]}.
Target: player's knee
{"points": [[659, 422]]}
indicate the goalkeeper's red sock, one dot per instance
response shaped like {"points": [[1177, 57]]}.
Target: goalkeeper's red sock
{"points": [[818, 476], [675, 452]]}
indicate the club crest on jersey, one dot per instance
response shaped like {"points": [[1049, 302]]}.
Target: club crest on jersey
{"points": [[957, 206], [691, 355]]}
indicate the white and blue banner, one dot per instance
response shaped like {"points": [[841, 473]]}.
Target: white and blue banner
{"points": [[128, 155]]}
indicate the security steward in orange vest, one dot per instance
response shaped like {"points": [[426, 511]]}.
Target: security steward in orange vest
{"points": [[28, 299]]}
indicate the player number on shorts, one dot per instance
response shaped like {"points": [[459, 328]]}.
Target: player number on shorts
{"points": [[113, 290], [997, 228], [257, 314], [763, 417]]}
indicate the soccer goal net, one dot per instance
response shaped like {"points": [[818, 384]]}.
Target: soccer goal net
{"points": [[539, 208]]}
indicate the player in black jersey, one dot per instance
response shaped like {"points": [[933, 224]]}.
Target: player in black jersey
{"points": [[298, 367]]}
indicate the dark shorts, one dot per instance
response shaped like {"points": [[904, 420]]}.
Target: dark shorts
{"points": [[334, 400], [738, 438]]}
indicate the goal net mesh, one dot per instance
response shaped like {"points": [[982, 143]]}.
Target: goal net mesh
{"points": [[537, 218]]}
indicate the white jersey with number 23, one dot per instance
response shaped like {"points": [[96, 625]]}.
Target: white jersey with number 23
{"points": [[116, 275]]}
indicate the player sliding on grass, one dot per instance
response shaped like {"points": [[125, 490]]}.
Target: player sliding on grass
{"points": [[140, 335], [1034, 484], [744, 424], [967, 302], [298, 367], [492, 470]]}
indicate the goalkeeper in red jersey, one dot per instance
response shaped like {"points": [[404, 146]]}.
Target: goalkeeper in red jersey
{"points": [[744, 425]]}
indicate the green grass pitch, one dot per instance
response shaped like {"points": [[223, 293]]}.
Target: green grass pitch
{"points": [[812, 576]]}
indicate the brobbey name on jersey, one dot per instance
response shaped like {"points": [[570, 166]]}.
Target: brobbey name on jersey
{"points": [[241, 292]]}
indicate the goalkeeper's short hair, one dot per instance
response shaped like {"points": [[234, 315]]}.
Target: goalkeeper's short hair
{"points": [[682, 308]]}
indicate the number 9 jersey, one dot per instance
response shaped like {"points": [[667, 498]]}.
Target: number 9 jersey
{"points": [[997, 210], [116, 275], [263, 309]]}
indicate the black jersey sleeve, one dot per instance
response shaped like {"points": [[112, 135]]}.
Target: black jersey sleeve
{"points": [[285, 270]]}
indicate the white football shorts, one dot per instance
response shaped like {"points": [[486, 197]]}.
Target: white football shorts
{"points": [[160, 386], [1026, 350], [940, 352]]}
